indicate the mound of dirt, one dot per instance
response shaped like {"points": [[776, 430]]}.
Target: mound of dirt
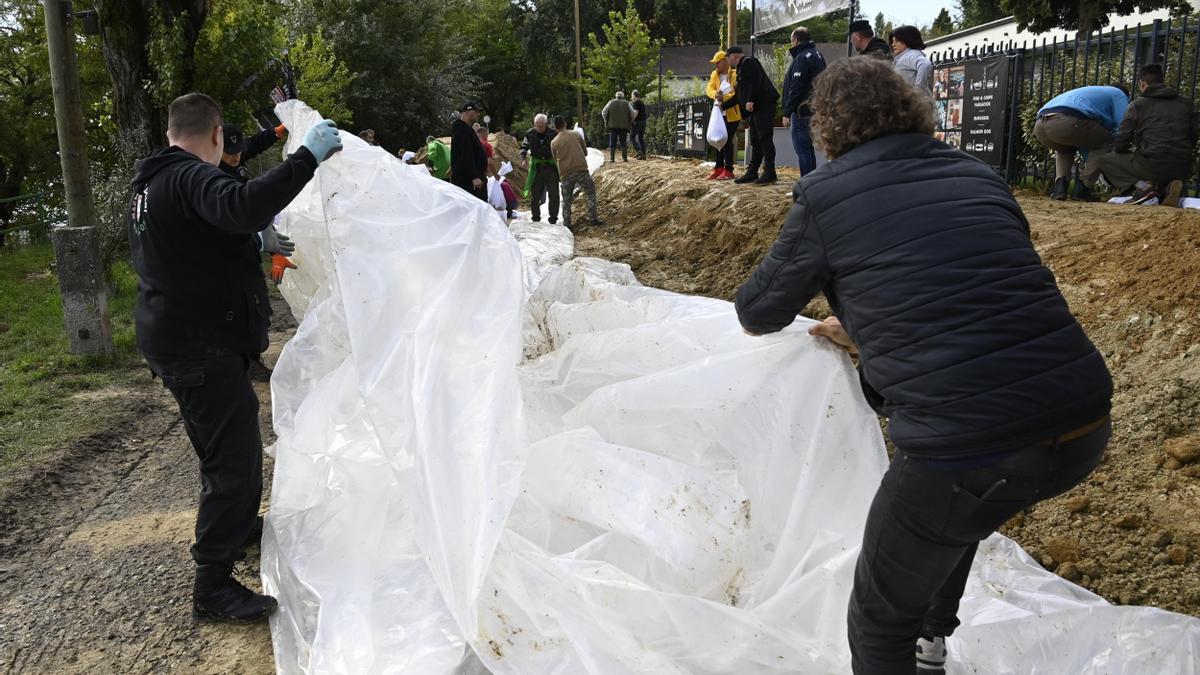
{"points": [[1131, 532]]}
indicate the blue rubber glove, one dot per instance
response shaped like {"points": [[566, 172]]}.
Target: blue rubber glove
{"points": [[322, 140]]}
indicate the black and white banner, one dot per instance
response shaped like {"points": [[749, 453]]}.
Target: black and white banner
{"points": [[772, 14]]}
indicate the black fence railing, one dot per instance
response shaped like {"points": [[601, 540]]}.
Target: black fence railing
{"points": [[1039, 71]]}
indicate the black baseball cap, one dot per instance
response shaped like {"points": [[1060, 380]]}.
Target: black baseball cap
{"points": [[734, 50], [469, 105], [861, 26], [235, 140]]}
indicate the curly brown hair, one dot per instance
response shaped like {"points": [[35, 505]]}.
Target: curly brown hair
{"points": [[862, 99]]}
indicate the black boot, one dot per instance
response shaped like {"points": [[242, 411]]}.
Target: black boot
{"points": [[218, 597], [768, 176], [1082, 193], [1059, 191], [750, 176]]}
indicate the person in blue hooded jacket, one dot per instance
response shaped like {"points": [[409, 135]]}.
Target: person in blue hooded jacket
{"points": [[1083, 120], [995, 397]]}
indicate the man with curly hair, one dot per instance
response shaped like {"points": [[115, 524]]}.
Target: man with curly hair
{"points": [[995, 397]]}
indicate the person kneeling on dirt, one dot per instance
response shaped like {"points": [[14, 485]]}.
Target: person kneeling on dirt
{"points": [[1081, 120], [995, 397], [1162, 126], [202, 312], [237, 151], [571, 154]]}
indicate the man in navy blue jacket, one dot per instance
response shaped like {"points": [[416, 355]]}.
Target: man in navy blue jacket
{"points": [[995, 397], [807, 63]]}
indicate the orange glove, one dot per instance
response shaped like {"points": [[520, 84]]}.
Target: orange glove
{"points": [[280, 131], [279, 265]]}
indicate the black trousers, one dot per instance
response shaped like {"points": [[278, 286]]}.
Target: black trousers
{"points": [[618, 137], [545, 183], [924, 526], [762, 138], [638, 138], [220, 413], [728, 154]]}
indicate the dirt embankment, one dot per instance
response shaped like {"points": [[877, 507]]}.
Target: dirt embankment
{"points": [[1131, 533]]}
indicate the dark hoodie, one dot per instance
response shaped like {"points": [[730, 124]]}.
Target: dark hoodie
{"points": [[1162, 126], [202, 292]]}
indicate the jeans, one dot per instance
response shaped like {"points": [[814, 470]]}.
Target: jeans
{"points": [[802, 142], [617, 137], [922, 531], [638, 138], [220, 413], [579, 179], [762, 139]]}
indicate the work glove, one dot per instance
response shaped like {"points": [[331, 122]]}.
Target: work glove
{"points": [[279, 265], [322, 140], [280, 131], [273, 242]]}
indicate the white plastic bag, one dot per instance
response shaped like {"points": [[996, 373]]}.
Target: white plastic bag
{"points": [[496, 195], [717, 134]]}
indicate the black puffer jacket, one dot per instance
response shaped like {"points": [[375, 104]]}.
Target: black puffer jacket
{"points": [[966, 344]]}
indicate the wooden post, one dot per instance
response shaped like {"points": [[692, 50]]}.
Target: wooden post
{"points": [[76, 248], [578, 66], [731, 12]]}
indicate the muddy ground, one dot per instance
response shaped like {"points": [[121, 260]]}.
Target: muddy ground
{"points": [[1131, 274], [95, 575]]}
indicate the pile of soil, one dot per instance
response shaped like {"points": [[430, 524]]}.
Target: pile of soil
{"points": [[1131, 532]]}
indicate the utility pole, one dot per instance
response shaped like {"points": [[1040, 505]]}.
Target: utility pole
{"points": [[81, 275], [753, 26], [578, 67], [731, 12]]}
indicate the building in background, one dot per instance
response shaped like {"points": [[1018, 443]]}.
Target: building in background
{"points": [[999, 33]]}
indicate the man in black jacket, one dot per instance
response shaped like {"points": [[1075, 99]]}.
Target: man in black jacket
{"points": [[468, 160], [994, 395], [239, 150], [865, 42], [758, 98], [543, 177], [202, 309], [638, 135], [1154, 142], [807, 64]]}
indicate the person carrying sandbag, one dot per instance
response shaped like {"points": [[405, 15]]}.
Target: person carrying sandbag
{"points": [[722, 89]]}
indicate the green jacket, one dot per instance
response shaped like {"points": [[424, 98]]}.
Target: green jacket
{"points": [[618, 114], [1160, 128]]}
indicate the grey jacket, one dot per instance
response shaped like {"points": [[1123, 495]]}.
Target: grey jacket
{"points": [[618, 114], [916, 68]]}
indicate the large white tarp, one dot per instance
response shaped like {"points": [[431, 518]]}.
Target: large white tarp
{"points": [[494, 456]]}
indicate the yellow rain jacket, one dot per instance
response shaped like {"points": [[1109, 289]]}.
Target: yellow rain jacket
{"points": [[733, 114]]}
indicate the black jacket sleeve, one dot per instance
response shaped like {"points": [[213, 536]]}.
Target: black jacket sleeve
{"points": [[259, 143], [794, 271], [227, 204]]}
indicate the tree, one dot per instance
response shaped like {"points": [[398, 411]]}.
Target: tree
{"points": [[1082, 15], [882, 27], [625, 57], [977, 12], [681, 21], [942, 25], [321, 77]]}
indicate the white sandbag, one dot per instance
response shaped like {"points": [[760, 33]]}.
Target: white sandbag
{"points": [[650, 492], [496, 194], [717, 134]]}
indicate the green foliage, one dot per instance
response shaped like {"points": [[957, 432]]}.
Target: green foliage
{"points": [[237, 40], [977, 12], [165, 50], [942, 25], [322, 78], [1082, 15], [624, 57], [660, 133], [681, 21]]}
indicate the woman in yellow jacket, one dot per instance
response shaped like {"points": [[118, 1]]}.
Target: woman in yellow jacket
{"points": [[722, 88]]}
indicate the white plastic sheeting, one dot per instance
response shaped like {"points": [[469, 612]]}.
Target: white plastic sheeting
{"points": [[649, 491]]}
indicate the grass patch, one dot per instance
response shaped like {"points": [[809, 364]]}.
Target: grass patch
{"points": [[44, 401]]}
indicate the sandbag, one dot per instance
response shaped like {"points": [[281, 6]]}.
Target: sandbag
{"points": [[717, 135]]}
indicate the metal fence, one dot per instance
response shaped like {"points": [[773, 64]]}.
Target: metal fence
{"points": [[1040, 71]]}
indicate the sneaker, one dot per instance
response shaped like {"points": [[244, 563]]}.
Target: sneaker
{"points": [[596, 222], [726, 174], [1059, 192], [748, 177], [219, 598], [1082, 193], [767, 177], [1144, 198], [931, 656], [1173, 192], [716, 174]]}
